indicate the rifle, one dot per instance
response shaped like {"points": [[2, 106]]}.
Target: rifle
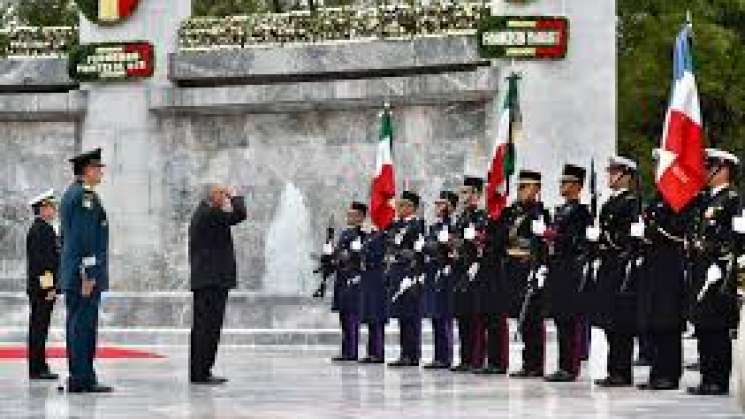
{"points": [[326, 265], [591, 267]]}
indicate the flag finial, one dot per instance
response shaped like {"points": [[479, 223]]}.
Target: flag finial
{"points": [[689, 18]]}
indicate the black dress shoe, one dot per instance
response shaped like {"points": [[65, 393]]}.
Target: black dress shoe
{"points": [[661, 384], [693, 366], [44, 376], [210, 381], [99, 388], [490, 370], [613, 382], [708, 390], [461, 368], [342, 359], [523, 373], [371, 360], [437, 365], [403, 362], [561, 376]]}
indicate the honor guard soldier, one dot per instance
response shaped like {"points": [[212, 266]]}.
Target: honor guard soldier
{"points": [[83, 268], [662, 300], [347, 284], [521, 230], [42, 255], [374, 298], [567, 261], [405, 275], [440, 280], [715, 250], [470, 228], [614, 300]]}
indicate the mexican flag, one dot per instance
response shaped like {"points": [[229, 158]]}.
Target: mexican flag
{"points": [[115, 10], [382, 210], [503, 154]]}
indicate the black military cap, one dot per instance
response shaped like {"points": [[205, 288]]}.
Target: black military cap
{"points": [[529, 177], [474, 182], [449, 196], [411, 197], [89, 158], [359, 206], [573, 173], [623, 163], [714, 155]]}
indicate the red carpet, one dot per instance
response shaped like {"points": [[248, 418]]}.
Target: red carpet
{"points": [[105, 352]]}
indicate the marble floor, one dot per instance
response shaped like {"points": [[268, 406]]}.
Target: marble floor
{"points": [[300, 382]]}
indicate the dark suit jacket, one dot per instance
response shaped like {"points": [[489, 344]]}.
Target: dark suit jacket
{"points": [[211, 252], [42, 254]]}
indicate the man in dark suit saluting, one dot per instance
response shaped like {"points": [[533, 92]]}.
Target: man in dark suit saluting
{"points": [[213, 273]]}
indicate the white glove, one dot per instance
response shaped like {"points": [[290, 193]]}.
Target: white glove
{"points": [[738, 224], [472, 271], [469, 233], [443, 236], [328, 249], [355, 280], [356, 245], [592, 233], [741, 262], [541, 275], [398, 239], [406, 283], [637, 229], [713, 275], [538, 227], [419, 244], [420, 279]]}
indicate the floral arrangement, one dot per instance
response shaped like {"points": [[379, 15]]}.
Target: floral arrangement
{"points": [[37, 42], [399, 21]]}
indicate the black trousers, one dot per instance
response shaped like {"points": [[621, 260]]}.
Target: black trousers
{"points": [[568, 331], [498, 341], [533, 332], [465, 338], [38, 330], [620, 354], [715, 356], [667, 363], [646, 349], [209, 312]]}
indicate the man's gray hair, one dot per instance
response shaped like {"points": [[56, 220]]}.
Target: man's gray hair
{"points": [[205, 193]]}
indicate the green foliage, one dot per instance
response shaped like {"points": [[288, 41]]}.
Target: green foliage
{"points": [[222, 8], [646, 32], [48, 12]]}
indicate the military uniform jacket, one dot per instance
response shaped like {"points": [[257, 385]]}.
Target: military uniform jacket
{"points": [[568, 251], [716, 243], [466, 290], [85, 238], [374, 293], [521, 252], [614, 302], [662, 291], [42, 255], [439, 266], [405, 265], [348, 280], [211, 251]]}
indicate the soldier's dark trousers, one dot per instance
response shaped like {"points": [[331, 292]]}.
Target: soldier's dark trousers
{"points": [[568, 329], [715, 356], [82, 328], [584, 334], [350, 334], [491, 340], [38, 330], [534, 343], [620, 354], [668, 356], [209, 312], [376, 340], [464, 339], [646, 349], [443, 336], [410, 337]]}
